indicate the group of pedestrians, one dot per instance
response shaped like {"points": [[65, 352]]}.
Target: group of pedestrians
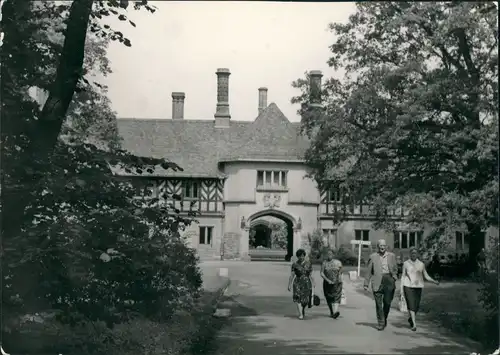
{"points": [[382, 273]]}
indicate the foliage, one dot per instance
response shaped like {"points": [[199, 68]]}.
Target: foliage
{"points": [[185, 332], [44, 47], [316, 244], [346, 256], [416, 115], [279, 236], [100, 253], [488, 295], [97, 253], [251, 236]]}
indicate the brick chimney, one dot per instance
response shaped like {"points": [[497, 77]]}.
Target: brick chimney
{"points": [[178, 105], [315, 87], [222, 115], [262, 99]]}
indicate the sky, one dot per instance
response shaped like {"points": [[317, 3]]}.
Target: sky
{"points": [[181, 45]]}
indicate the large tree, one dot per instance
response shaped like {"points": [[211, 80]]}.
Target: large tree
{"points": [[44, 47], [69, 225], [414, 123]]}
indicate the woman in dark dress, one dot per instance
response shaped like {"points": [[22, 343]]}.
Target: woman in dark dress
{"points": [[331, 272], [301, 281]]}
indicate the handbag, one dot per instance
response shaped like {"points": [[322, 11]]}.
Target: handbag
{"points": [[343, 298], [403, 308], [315, 299]]}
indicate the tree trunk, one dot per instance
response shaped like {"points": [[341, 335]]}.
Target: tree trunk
{"points": [[68, 73], [476, 243]]}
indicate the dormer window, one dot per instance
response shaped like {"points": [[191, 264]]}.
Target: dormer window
{"points": [[270, 179]]}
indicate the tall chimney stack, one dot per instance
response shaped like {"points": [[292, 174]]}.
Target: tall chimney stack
{"points": [[262, 99], [315, 87], [222, 115], [178, 105]]}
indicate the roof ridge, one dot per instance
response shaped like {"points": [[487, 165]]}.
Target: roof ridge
{"points": [[176, 120]]}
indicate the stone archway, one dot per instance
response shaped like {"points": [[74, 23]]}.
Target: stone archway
{"points": [[292, 231]]}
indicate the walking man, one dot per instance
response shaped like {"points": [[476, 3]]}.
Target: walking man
{"points": [[382, 272]]}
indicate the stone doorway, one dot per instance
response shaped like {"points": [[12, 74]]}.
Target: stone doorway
{"points": [[271, 238]]}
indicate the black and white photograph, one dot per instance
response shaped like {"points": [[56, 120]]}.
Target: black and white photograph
{"points": [[249, 177]]}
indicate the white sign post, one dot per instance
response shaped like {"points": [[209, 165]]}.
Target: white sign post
{"points": [[359, 243]]}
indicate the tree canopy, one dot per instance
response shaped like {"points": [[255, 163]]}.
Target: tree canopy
{"points": [[97, 249], [414, 122]]}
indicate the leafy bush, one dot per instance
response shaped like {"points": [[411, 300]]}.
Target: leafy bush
{"points": [[488, 297], [97, 252], [316, 244], [279, 236], [346, 256]]}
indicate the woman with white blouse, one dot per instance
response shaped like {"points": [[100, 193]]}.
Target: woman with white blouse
{"points": [[414, 274]]}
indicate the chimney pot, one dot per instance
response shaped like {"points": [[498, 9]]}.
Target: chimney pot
{"points": [[315, 87], [222, 114], [262, 99], [178, 105]]}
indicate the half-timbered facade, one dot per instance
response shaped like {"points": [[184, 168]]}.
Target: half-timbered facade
{"points": [[235, 172]]}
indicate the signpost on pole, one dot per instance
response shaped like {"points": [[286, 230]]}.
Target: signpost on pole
{"points": [[359, 243]]}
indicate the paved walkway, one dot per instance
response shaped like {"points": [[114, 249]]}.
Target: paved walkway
{"points": [[264, 320]]}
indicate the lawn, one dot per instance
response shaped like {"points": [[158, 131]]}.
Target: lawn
{"points": [[455, 306]]}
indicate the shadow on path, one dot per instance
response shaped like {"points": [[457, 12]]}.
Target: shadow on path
{"points": [[249, 331], [366, 324]]}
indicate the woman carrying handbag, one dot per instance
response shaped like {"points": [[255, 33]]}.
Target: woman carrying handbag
{"points": [[331, 272], [301, 282]]}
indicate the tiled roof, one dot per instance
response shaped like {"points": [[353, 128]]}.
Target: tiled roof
{"points": [[198, 147]]}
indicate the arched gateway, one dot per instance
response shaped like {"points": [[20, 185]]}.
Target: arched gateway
{"points": [[269, 248]]}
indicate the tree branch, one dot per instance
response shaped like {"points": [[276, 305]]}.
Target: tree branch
{"points": [[465, 51]]}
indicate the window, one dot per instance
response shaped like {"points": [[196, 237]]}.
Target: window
{"points": [[404, 240], [330, 237], [362, 234], [190, 189], [206, 235], [396, 240], [337, 194], [461, 240], [407, 239], [271, 179]]}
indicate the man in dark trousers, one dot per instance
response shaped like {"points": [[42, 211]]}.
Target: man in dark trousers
{"points": [[382, 271]]}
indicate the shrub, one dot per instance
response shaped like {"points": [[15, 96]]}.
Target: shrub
{"points": [[488, 297], [279, 236], [346, 256], [316, 244], [98, 253]]}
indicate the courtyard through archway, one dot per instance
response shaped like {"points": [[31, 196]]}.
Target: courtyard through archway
{"points": [[271, 237]]}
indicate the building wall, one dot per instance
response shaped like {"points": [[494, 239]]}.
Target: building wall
{"points": [[300, 201], [192, 235], [241, 184], [245, 201]]}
